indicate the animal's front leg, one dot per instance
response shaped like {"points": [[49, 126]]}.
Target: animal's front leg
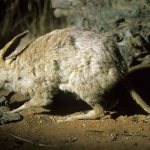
{"points": [[20, 108], [36, 101]]}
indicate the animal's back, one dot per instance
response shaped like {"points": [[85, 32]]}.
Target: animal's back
{"points": [[75, 55]]}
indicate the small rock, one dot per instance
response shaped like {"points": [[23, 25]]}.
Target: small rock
{"points": [[113, 137], [2, 99], [70, 140], [141, 129], [127, 138], [41, 121], [83, 125], [7, 117], [4, 109]]}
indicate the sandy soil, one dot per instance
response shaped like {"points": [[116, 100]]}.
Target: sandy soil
{"points": [[42, 131]]}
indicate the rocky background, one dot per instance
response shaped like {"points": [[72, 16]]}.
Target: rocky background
{"points": [[128, 20]]}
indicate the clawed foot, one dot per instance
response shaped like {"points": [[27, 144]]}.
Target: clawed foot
{"points": [[18, 109]]}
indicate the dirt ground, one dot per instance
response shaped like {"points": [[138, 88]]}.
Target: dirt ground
{"points": [[43, 132]]}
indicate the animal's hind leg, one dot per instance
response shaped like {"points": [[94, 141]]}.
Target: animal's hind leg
{"points": [[96, 113]]}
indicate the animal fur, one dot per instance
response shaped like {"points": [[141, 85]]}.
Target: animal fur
{"points": [[71, 59]]}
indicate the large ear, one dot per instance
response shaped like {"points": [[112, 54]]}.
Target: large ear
{"points": [[13, 48]]}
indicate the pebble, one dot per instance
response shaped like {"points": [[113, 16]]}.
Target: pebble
{"points": [[127, 138], [83, 125], [7, 117], [2, 99], [70, 140], [4, 109], [113, 137]]}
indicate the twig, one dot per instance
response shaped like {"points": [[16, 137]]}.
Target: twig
{"points": [[31, 142]]}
